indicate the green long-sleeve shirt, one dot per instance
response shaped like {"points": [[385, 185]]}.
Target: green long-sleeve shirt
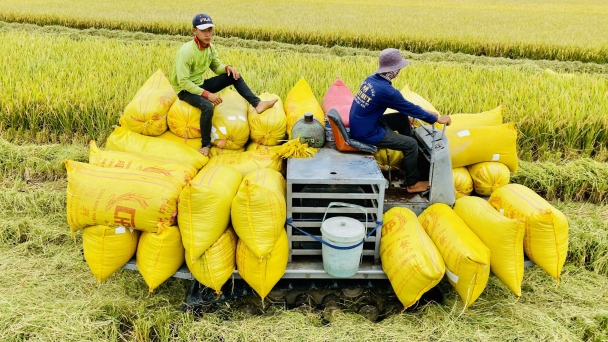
{"points": [[190, 65]]}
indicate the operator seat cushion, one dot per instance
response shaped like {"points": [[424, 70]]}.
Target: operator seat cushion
{"points": [[344, 142]]}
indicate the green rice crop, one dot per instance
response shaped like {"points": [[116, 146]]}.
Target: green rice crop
{"points": [[57, 83], [562, 30]]}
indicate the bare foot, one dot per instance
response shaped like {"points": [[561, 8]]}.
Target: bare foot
{"points": [[263, 105], [418, 187], [204, 151]]}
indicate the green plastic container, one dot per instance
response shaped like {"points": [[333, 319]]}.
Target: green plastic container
{"points": [[310, 130]]}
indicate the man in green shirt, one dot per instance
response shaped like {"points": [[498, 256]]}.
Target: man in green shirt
{"points": [[191, 61]]}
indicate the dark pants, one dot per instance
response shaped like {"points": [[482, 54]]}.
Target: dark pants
{"points": [[402, 141], [214, 85]]}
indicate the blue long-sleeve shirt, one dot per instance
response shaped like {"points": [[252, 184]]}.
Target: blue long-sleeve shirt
{"points": [[371, 101]]}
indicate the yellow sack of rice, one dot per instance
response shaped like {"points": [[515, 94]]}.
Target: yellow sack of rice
{"points": [[129, 161], [147, 112], [204, 207], [216, 151], [116, 197], [463, 183], [123, 140], [259, 209], [218, 262], [262, 274], [503, 236], [489, 176], [546, 238], [184, 120], [467, 259], [269, 127], [230, 128], [249, 161], [159, 255], [486, 143], [252, 146], [463, 121], [195, 143], [107, 249], [299, 101], [388, 159], [409, 257]]}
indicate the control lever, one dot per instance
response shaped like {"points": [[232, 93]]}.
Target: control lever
{"points": [[439, 144], [443, 131]]}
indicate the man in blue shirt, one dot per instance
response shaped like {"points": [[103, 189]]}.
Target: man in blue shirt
{"points": [[368, 123]]}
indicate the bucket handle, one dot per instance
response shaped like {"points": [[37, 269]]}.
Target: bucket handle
{"points": [[331, 204]]}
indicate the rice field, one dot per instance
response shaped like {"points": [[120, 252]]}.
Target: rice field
{"points": [[67, 80], [561, 30], [56, 92]]}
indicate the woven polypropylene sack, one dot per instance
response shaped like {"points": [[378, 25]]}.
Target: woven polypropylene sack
{"points": [[129, 161], [463, 121], [204, 207], [546, 237], [249, 161], [388, 159], [269, 127], [123, 140], [147, 112], [194, 143], [340, 98], [259, 210], [184, 120], [299, 101], [107, 249], [230, 128], [409, 257], [503, 236], [489, 176], [252, 146], [262, 274], [466, 258], [215, 151], [117, 197], [218, 262], [484, 144], [463, 184], [159, 255]]}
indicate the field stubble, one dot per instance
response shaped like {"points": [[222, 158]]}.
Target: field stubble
{"points": [[50, 294]]}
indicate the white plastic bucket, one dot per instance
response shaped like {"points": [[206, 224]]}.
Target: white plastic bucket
{"points": [[343, 232]]}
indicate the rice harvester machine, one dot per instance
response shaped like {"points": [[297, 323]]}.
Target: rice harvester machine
{"points": [[335, 202]]}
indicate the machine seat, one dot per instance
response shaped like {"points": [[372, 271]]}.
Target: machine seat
{"points": [[344, 143]]}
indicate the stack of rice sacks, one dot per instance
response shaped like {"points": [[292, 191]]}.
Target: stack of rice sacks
{"points": [[258, 215], [125, 199], [483, 152]]}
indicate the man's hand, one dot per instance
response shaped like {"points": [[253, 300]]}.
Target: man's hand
{"points": [[230, 70], [214, 98], [444, 119]]}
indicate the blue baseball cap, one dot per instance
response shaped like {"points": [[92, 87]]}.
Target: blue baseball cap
{"points": [[202, 21]]}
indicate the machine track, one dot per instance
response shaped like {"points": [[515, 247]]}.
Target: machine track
{"points": [[374, 299]]}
